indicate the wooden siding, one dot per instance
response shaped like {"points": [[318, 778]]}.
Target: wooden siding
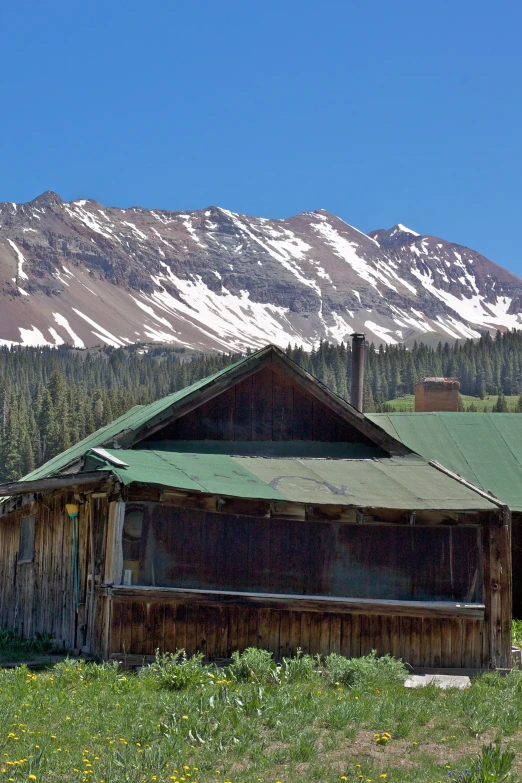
{"points": [[266, 406], [38, 596], [140, 626]]}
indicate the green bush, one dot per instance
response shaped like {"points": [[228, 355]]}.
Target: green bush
{"points": [[370, 671], [299, 668], [175, 671], [255, 665]]}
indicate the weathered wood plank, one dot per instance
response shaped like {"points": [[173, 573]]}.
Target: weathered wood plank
{"points": [[263, 632], [283, 400], [304, 603], [284, 634], [295, 632], [262, 405], [302, 416], [335, 633], [346, 635], [243, 410], [305, 632]]}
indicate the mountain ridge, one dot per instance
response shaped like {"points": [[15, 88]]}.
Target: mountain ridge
{"points": [[211, 279]]}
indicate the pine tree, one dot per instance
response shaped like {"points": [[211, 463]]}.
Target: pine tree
{"points": [[501, 405], [11, 451]]}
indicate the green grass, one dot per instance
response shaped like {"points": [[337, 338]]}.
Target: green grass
{"points": [[252, 723], [407, 403]]}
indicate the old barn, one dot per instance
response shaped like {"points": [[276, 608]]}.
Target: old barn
{"points": [[256, 508]]}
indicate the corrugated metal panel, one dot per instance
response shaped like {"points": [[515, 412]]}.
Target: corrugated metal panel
{"points": [[485, 448], [398, 482]]}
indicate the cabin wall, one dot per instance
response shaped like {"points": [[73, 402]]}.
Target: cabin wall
{"points": [[39, 596], [138, 620], [186, 548], [263, 407], [140, 625], [113, 619]]}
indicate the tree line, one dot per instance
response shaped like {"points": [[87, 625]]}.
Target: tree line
{"points": [[52, 398]]}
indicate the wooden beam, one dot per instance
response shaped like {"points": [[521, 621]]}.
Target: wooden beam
{"points": [[54, 482], [466, 483], [299, 603]]}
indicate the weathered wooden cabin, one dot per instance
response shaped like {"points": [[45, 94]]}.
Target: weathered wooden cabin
{"points": [[256, 508]]}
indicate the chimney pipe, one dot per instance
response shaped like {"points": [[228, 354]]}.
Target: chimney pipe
{"points": [[356, 398]]}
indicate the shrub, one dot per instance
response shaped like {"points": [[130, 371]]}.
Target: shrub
{"points": [[299, 668], [175, 671], [369, 671], [253, 664]]}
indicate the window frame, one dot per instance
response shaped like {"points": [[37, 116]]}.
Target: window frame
{"points": [[28, 553]]}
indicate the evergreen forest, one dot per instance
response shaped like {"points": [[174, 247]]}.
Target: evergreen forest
{"points": [[50, 398]]}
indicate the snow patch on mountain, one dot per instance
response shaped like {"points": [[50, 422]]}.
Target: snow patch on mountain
{"points": [[216, 280]]}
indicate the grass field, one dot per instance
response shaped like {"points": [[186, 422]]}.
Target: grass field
{"points": [[407, 403], [343, 721]]}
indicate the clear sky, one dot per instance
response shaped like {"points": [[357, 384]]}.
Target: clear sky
{"points": [[381, 111]]}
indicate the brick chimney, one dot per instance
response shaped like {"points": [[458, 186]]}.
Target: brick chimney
{"points": [[436, 394]]}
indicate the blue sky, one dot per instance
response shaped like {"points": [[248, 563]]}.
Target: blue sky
{"points": [[380, 111]]}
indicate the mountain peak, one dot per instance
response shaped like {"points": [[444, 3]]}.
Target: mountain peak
{"points": [[396, 236], [404, 230], [49, 197], [216, 280]]}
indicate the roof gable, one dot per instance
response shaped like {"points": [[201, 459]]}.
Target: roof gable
{"points": [[265, 380], [142, 421]]}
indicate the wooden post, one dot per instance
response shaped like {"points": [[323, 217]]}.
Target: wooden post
{"points": [[496, 540], [114, 552]]}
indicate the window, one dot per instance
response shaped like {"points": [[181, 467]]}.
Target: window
{"points": [[168, 547], [26, 544], [131, 540]]}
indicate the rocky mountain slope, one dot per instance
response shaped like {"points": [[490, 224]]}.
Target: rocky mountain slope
{"points": [[86, 274]]}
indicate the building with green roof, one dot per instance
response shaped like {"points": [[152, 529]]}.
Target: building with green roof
{"points": [[257, 508]]}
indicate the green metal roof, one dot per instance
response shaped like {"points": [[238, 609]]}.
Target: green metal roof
{"points": [[484, 448], [391, 482]]}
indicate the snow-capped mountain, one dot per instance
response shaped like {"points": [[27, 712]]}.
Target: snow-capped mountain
{"points": [[85, 274]]}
